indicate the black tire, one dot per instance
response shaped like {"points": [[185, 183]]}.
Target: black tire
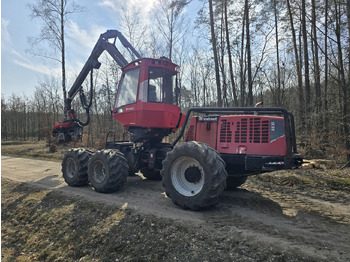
{"points": [[107, 170], [233, 182], [194, 175], [132, 163], [75, 166], [151, 174]]}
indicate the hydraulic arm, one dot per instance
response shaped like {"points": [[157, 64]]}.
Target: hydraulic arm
{"points": [[71, 128], [102, 45]]}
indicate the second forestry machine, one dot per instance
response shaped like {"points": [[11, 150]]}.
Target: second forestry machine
{"points": [[221, 147]]}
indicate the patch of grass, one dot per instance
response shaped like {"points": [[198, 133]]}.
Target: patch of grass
{"points": [[303, 179], [15, 142], [30, 149]]}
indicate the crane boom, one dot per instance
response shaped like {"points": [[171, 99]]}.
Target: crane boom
{"points": [[102, 45], [72, 127]]}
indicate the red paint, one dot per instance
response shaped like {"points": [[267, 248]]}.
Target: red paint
{"points": [[239, 134], [146, 114], [150, 115]]}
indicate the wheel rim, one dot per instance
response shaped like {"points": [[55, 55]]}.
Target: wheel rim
{"points": [[71, 168], [99, 171], [187, 176]]}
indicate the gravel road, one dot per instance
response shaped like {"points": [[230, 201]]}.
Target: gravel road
{"points": [[279, 210]]}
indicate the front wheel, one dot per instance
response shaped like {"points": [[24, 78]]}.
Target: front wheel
{"points": [[107, 170], [194, 175]]}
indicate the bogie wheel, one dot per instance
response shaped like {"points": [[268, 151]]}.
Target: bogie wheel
{"points": [[194, 175], [151, 174], [107, 170], [233, 182], [75, 166]]}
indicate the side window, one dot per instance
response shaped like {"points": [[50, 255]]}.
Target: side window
{"points": [[169, 86], [127, 93], [155, 85]]}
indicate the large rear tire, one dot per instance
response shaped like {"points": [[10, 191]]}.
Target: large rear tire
{"points": [[75, 166], [107, 170], [194, 175]]}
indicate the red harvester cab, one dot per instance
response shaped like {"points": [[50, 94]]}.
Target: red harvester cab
{"points": [[146, 98]]}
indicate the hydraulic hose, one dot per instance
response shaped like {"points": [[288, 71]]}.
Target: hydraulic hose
{"points": [[83, 101]]}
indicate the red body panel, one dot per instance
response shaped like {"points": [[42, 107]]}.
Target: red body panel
{"points": [[240, 134], [150, 115], [66, 124]]}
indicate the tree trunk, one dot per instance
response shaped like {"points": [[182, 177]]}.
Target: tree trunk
{"points": [[234, 91], [249, 58], [242, 88], [171, 35], [325, 114], [278, 91], [63, 58], [317, 74], [345, 81], [213, 43], [306, 68], [222, 46], [348, 21]]}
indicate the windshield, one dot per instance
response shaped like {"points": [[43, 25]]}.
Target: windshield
{"points": [[127, 93]]}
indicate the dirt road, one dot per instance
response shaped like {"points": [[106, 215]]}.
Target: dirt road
{"points": [[296, 212]]}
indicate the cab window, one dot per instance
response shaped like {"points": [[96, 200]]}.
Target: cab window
{"points": [[161, 84], [155, 85], [127, 93]]}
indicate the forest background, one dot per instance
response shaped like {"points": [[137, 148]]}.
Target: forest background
{"points": [[292, 54]]}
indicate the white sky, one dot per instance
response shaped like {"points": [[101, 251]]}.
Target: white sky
{"points": [[20, 71]]}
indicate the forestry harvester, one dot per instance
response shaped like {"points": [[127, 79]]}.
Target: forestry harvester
{"points": [[221, 147]]}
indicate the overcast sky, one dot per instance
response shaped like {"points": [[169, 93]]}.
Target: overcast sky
{"points": [[21, 71]]}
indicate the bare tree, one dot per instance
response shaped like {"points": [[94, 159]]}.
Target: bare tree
{"points": [[249, 56], [241, 60], [54, 15], [325, 96], [317, 73], [278, 95], [306, 66], [297, 64], [133, 27], [233, 83], [214, 47], [171, 22]]}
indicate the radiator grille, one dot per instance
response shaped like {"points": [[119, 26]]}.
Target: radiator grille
{"points": [[241, 131], [258, 131], [225, 131]]}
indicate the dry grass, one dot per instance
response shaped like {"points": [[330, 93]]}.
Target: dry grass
{"points": [[32, 149], [42, 225]]}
